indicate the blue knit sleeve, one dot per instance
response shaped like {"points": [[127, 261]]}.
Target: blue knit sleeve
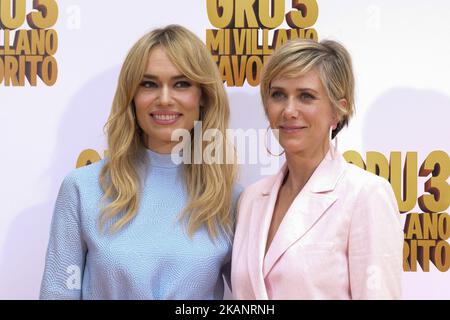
{"points": [[66, 252]]}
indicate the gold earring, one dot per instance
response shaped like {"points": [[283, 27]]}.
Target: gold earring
{"points": [[265, 145]]}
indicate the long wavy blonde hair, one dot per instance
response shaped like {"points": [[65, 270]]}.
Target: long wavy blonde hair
{"points": [[209, 186]]}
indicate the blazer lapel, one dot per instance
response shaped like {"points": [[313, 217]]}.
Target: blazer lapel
{"points": [[306, 209], [261, 217]]}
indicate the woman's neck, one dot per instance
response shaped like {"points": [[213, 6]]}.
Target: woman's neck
{"points": [[301, 166]]}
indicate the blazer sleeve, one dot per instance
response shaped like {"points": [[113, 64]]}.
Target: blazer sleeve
{"points": [[66, 251], [376, 244]]}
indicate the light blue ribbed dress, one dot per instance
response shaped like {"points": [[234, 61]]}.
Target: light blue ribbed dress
{"points": [[152, 257]]}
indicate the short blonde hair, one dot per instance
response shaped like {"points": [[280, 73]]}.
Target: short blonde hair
{"points": [[331, 59]]}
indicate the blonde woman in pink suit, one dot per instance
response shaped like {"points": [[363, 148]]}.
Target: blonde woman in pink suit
{"points": [[321, 228]]}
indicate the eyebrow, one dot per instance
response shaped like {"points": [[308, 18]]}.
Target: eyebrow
{"points": [[298, 89], [153, 77]]}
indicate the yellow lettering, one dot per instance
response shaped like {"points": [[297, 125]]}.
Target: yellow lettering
{"points": [[378, 164], [305, 16], [220, 12], [215, 41], [46, 16], [271, 20], [245, 14], [354, 158], [14, 20], [406, 195], [87, 157], [438, 199]]}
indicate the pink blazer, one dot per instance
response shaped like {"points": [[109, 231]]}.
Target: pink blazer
{"points": [[340, 239]]}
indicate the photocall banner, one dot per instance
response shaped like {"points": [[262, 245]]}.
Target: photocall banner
{"points": [[59, 63]]}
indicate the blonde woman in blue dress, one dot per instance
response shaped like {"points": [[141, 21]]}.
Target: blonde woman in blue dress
{"points": [[136, 225]]}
